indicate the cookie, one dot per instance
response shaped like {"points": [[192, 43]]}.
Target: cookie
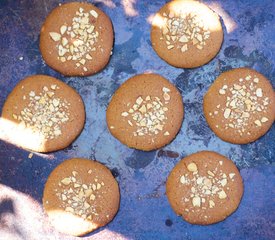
{"points": [[80, 196], [43, 114], [186, 34], [146, 112], [239, 106], [77, 39], [204, 188]]}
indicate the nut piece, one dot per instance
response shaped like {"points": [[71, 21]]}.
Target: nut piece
{"points": [[182, 179], [92, 197], [264, 119], [226, 113], [196, 201], [183, 39], [69, 209], [94, 13], [258, 123], [139, 100], [222, 194], [124, 114], [55, 36], [211, 204], [231, 175], [192, 167], [166, 133], [184, 48], [63, 29], [170, 47], [211, 173], [66, 181], [259, 92], [223, 182], [166, 96], [164, 89], [222, 91]]}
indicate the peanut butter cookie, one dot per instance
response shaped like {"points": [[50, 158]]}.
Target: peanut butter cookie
{"points": [[186, 34], [204, 188], [146, 112], [43, 114], [239, 106], [77, 39], [80, 196]]}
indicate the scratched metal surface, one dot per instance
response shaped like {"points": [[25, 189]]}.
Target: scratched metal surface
{"points": [[144, 213]]}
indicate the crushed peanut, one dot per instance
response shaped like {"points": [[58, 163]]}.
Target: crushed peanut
{"points": [[76, 42], [204, 189], [148, 114], [243, 100], [78, 197], [182, 30], [44, 113]]}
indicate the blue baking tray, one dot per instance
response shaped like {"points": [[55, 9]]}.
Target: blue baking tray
{"points": [[249, 40]]}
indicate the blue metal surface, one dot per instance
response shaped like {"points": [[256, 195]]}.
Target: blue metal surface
{"points": [[249, 40]]}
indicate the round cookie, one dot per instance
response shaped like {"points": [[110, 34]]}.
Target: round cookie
{"points": [[80, 196], [146, 112], [204, 188], [239, 106], [77, 39], [43, 114], [186, 33]]}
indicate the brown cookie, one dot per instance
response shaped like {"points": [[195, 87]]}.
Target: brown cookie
{"points": [[80, 196], [77, 39], [146, 112], [186, 34], [239, 106], [43, 114], [204, 188]]}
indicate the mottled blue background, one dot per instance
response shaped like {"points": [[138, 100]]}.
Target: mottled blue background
{"points": [[249, 40]]}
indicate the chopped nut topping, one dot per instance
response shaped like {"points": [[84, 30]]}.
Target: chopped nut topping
{"points": [[210, 173], [124, 114], [222, 194], [227, 112], [77, 41], [258, 123], [222, 91], [242, 101], [259, 92], [148, 114], [180, 29], [211, 204], [94, 13], [182, 179], [78, 197], [223, 182], [66, 181], [166, 133], [44, 113], [204, 188], [63, 29], [196, 201], [264, 119], [192, 167], [165, 89], [231, 175], [55, 36]]}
